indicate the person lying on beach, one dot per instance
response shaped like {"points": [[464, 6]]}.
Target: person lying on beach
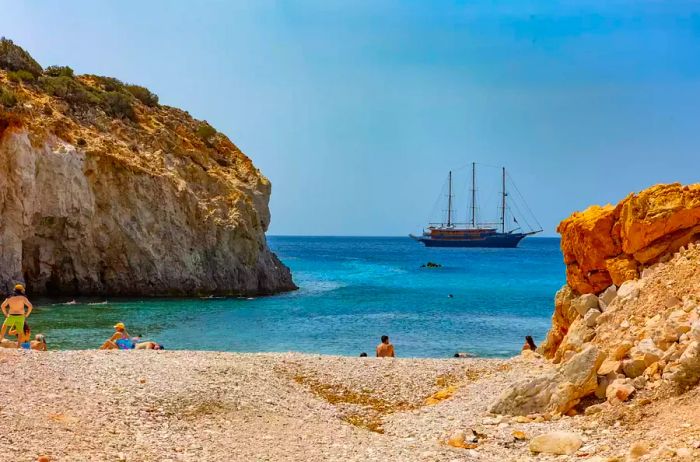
{"points": [[13, 309], [39, 343], [529, 344], [149, 345], [385, 349], [120, 340]]}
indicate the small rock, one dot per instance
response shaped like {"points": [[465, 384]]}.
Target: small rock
{"points": [[608, 366], [620, 389], [628, 290], [591, 318], [606, 297], [593, 409], [638, 449], [560, 442], [519, 435], [684, 453], [585, 303]]}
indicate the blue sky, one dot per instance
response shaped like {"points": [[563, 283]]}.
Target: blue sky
{"points": [[357, 110]]}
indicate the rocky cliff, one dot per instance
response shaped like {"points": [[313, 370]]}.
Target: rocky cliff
{"points": [[608, 245], [105, 191], [627, 324]]}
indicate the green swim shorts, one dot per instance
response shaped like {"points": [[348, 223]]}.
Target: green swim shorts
{"points": [[15, 321]]}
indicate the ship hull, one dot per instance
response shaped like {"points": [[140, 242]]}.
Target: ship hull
{"points": [[497, 240]]}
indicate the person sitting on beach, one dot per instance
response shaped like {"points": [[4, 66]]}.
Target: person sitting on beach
{"points": [[149, 345], [120, 340], [13, 309], [529, 344], [39, 343], [385, 349]]}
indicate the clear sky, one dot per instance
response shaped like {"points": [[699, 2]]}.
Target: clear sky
{"points": [[356, 110]]}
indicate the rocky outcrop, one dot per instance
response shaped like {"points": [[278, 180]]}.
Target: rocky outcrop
{"points": [[631, 337], [608, 245], [157, 204], [554, 392]]}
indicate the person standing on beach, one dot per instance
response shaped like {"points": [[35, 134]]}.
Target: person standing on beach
{"points": [[13, 309], [385, 349]]}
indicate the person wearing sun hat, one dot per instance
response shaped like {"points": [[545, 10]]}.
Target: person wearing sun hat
{"points": [[13, 309], [120, 340]]}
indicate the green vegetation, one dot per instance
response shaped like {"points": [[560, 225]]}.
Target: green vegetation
{"points": [[7, 97], [118, 104], [20, 76], [111, 95], [108, 83], [14, 58], [205, 132], [68, 89], [143, 94], [59, 71]]}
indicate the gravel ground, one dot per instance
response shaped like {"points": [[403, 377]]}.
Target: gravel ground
{"points": [[207, 406]]}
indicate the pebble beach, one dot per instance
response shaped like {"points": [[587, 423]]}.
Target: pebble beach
{"points": [[208, 406]]}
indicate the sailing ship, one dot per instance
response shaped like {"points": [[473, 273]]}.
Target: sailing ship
{"points": [[473, 233]]}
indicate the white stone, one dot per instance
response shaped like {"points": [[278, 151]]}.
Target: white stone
{"points": [[629, 290], [591, 318], [561, 443], [606, 297], [584, 303]]}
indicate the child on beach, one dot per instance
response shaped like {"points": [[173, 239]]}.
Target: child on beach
{"points": [[13, 309]]}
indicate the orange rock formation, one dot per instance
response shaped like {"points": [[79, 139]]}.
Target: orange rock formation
{"points": [[608, 245]]}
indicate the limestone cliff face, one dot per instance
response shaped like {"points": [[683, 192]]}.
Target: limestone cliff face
{"points": [[157, 205], [608, 245], [604, 247]]}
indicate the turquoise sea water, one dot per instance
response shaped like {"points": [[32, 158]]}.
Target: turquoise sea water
{"points": [[352, 290]]}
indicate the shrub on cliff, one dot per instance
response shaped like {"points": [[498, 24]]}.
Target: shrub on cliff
{"points": [[205, 132], [108, 83], [7, 97], [118, 104], [59, 71], [143, 94], [20, 76], [14, 58], [68, 89]]}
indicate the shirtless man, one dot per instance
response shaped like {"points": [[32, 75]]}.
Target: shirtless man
{"points": [[385, 349], [13, 309]]}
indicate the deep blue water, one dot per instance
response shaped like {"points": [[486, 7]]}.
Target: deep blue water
{"points": [[352, 290]]}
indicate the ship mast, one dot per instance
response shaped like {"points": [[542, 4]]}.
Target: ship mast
{"points": [[503, 202], [473, 207], [449, 200]]}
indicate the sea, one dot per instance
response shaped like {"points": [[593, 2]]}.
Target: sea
{"points": [[352, 290]]}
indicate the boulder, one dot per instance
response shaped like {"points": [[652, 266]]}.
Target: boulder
{"points": [[579, 334], [634, 367], [556, 391], [694, 333], [628, 290], [620, 389], [606, 297], [647, 350], [560, 443], [591, 318], [584, 303], [686, 373], [608, 366]]}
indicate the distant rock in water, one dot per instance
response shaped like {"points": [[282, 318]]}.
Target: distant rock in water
{"points": [[105, 191], [431, 264]]}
